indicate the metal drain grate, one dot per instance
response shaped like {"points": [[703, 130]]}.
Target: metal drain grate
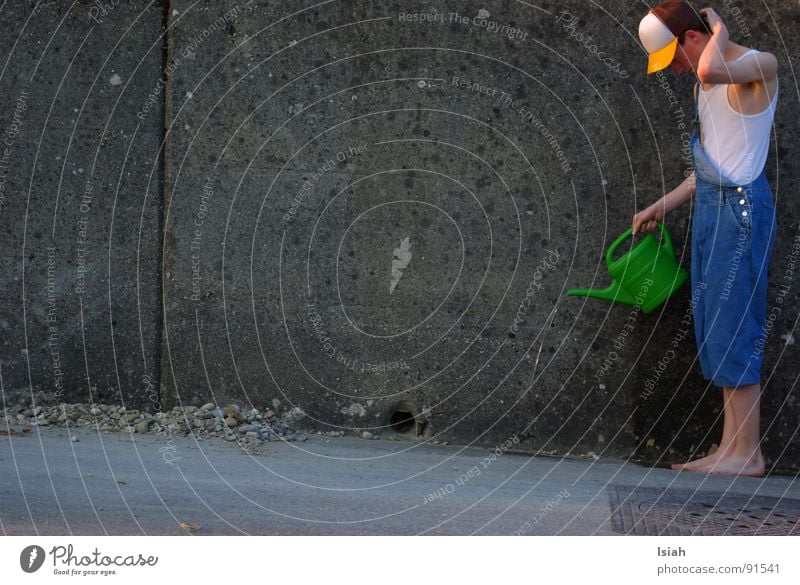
{"points": [[683, 512]]}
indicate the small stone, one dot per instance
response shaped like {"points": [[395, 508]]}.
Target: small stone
{"points": [[95, 411], [27, 412], [74, 439], [248, 428], [37, 411], [208, 406], [366, 435], [142, 427], [115, 79], [231, 422], [651, 443]]}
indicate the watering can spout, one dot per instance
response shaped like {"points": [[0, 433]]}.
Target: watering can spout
{"points": [[614, 292]]}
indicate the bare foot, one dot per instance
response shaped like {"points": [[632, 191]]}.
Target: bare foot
{"points": [[735, 465], [698, 464]]}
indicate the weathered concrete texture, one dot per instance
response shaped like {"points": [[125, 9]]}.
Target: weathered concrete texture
{"points": [[80, 244], [306, 144], [369, 213]]}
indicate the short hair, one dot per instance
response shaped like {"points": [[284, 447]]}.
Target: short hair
{"points": [[698, 23]]}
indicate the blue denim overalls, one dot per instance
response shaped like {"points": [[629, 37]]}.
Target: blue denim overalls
{"points": [[733, 234]]}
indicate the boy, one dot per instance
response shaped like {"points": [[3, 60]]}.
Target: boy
{"points": [[734, 223]]}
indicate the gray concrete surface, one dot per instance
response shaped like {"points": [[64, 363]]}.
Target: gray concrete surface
{"points": [[113, 484], [286, 291], [303, 142], [80, 245]]}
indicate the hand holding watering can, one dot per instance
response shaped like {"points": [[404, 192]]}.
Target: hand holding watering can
{"points": [[647, 274]]}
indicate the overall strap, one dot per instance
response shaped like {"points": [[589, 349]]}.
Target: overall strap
{"points": [[696, 120]]}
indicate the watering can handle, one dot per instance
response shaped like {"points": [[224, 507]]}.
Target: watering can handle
{"points": [[616, 244], [667, 240], [625, 235]]}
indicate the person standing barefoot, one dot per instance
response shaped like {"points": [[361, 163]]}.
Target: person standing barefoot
{"points": [[734, 223]]}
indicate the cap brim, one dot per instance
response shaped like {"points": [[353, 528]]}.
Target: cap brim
{"points": [[662, 58]]}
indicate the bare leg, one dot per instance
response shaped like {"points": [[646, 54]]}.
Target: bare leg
{"points": [[746, 457], [727, 442]]}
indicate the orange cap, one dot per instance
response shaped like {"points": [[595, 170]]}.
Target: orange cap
{"points": [[659, 30]]}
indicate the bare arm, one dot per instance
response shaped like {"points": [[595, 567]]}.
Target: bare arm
{"points": [[713, 68], [645, 220]]}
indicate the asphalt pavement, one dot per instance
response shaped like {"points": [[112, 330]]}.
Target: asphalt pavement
{"points": [[101, 483]]}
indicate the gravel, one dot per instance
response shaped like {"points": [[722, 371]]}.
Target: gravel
{"points": [[231, 422]]}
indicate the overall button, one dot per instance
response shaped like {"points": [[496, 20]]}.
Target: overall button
{"points": [[738, 189], [741, 201]]}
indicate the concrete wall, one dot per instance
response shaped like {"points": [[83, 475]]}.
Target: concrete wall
{"points": [[81, 215], [305, 142]]}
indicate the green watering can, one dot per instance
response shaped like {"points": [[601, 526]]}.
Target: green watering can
{"points": [[646, 276]]}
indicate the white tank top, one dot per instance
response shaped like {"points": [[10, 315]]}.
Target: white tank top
{"points": [[737, 143]]}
